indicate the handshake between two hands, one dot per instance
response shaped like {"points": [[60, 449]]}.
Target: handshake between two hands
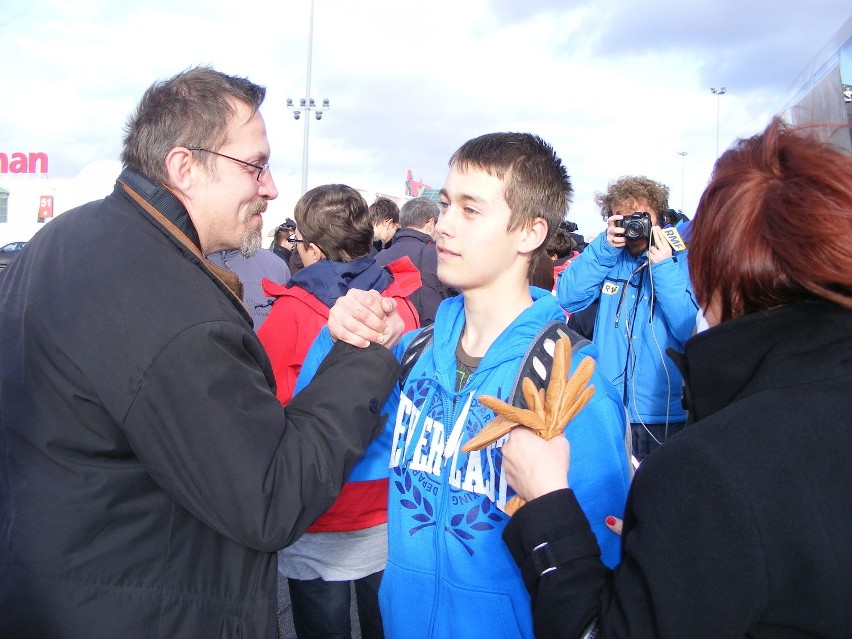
{"points": [[362, 317]]}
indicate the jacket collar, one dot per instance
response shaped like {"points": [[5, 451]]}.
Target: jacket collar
{"points": [[163, 201], [414, 234], [510, 344], [327, 280], [166, 210], [779, 348]]}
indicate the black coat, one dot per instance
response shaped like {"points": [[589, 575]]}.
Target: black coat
{"points": [[740, 525], [149, 473], [421, 250], [284, 253]]}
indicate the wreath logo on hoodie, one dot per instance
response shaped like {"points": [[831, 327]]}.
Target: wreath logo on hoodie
{"points": [[482, 516]]}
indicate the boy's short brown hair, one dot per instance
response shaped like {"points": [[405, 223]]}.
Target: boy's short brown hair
{"points": [[536, 183], [383, 209], [335, 218]]}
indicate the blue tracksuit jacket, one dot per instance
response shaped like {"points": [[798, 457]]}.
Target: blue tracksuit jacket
{"points": [[448, 572], [632, 341]]}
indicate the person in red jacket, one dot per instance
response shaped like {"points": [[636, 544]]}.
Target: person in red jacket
{"points": [[349, 542]]}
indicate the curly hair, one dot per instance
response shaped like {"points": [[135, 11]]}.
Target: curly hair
{"points": [[629, 190]]}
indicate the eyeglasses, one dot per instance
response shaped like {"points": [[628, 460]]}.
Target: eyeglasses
{"points": [[295, 241], [262, 169]]}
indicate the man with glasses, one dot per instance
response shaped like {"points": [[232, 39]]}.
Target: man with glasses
{"points": [[149, 472]]}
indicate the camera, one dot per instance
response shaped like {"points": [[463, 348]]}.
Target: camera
{"points": [[568, 227], [636, 225]]}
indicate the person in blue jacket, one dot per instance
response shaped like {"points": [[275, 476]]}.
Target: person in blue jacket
{"points": [[646, 305], [448, 573]]}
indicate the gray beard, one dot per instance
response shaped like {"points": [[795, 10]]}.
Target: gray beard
{"points": [[252, 238], [250, 242]]}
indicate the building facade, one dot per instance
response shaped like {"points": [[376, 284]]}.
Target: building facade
{"points": [[822, 94]]}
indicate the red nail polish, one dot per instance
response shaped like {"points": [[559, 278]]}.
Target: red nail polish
{"points": [[610, 521]]}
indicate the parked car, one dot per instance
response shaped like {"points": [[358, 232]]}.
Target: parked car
{"points": [[9, 251]]}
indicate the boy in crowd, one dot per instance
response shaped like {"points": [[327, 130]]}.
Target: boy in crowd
{"points": [[448, 571], [384, 214]]}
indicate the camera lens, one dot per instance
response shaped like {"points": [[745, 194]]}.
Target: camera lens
{"points": [[633, 230]]}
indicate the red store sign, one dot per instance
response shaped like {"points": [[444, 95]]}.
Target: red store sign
{"points": [[45, 207]]}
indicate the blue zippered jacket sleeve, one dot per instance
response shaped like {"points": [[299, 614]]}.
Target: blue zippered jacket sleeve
{"points": [[320, 348], [374, 463], [580, 283], [674, 295], [600, 473]]}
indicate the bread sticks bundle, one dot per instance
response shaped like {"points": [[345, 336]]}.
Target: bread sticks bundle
{"points": [[548, 411]]}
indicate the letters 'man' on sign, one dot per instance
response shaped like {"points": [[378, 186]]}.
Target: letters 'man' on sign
{"points": [[23, 162]]}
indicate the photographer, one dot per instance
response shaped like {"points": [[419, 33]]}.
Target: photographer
{"points": [[646, 306]]}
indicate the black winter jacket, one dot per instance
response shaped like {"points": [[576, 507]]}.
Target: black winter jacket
{"points": [[738, 526], [422, 252], [148, 473]]}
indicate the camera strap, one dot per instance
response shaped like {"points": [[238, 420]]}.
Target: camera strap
{"points": [[624, 291]]}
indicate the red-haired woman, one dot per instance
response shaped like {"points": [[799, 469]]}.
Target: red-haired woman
{"points": [[739, 526]]}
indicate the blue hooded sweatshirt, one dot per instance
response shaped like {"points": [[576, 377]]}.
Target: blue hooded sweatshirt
{"points": [[448, 572]]}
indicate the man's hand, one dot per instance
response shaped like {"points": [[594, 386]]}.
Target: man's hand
{"points": [[615, 234], [535, 466], [361, 317], [660, 249]]}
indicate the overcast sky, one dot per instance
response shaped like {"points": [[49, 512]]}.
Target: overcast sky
{"points": [[618, 87]]}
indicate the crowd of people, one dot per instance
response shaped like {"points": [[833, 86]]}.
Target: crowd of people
{"points": [[184, 415]]}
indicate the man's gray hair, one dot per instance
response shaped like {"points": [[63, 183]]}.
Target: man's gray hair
{"points": [[192, 109], [415, 213]]}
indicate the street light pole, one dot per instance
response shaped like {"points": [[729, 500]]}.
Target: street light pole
{"points": [[308, 95], [682, 155], [718, 93], [307, 105]]}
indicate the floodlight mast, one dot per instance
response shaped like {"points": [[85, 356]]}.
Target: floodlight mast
{"points": [[307, 104], [718, 93]]}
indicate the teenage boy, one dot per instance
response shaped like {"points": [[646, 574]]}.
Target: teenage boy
{"points": [[448, 571]]}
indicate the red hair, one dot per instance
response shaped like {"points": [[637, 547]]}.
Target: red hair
{"points": [[774, 225]]}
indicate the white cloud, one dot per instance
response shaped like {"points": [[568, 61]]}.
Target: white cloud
{"points": [[617, 88]]}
